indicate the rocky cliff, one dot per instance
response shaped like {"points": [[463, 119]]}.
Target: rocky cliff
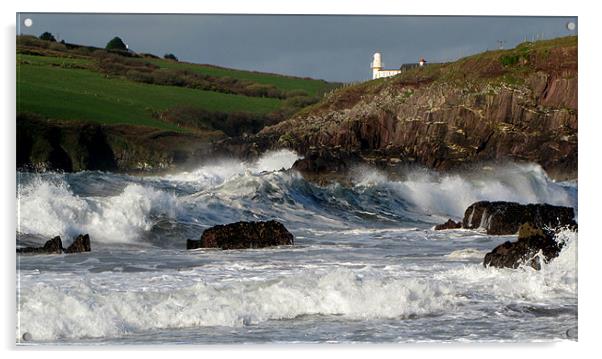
{"points": [[76, 146], [518, 105]]}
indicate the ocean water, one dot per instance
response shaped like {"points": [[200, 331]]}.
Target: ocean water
{"points": [[366, 265]]}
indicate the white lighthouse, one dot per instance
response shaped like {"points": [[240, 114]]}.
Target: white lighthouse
{"points": [[377, 68], [376, 65]]}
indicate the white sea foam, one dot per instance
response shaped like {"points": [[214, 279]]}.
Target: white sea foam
{"points": [[225, 170], [466, 253], [114, 304], [451, 194], [85, 309], [557, 279], [50, 208], [347, 269]]}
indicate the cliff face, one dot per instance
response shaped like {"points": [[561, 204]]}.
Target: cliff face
{"points": [[76, 146], [518, 104]]}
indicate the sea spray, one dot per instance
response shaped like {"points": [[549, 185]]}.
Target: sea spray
{"points": [[556, 279], [49, 208], [431, 192], [221, 171]]}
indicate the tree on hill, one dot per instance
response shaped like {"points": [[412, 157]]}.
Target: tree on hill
{"points": [[116, 44], [47, 37], [170, 57]]}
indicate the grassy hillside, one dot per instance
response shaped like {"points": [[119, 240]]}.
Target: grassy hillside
{"points": [[62, 92], [73, 82], [85, 108]]}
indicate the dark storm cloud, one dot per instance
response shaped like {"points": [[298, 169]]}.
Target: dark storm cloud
{"points": [[336, 48]]}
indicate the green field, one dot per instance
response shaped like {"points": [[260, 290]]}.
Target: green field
{"points": [[47, 87], [287, 83]]}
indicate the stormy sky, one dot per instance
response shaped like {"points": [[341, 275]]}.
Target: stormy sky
{"points": [[334, 48]]}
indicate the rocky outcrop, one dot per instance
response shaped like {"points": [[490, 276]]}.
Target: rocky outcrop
{"points": [[71, 146], [513, 105], [500, 218], [80, 244], [241, 235], [450, 224], [53, 246], [533, 245]]}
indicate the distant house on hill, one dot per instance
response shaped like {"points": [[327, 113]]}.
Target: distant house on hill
{"points": [[379, 72]]}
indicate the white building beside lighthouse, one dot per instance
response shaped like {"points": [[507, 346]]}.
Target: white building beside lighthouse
{"points": [[377, 68]]}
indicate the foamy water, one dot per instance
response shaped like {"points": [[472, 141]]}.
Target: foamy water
{"points": [[366, 266]]}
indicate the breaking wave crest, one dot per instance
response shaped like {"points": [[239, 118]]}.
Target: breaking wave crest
{"points": [[116, 208], [450, 194], [50, 208], [96, 312]]}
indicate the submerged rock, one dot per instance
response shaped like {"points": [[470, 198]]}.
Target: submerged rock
{"points": [[506, 217], [241, 235], [450, 224], [80, 244], [53, 246], [533, 244]]}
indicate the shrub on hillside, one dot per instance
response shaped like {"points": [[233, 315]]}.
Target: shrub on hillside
{"points": [[170, 57], [46, 36], [116, 44], [113, 64], [139, 76]]}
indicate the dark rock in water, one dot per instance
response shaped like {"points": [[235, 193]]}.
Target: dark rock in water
{"points": [[450, 224], [194, 244], [242, 235], [322, 166], [506, 217], [80, 244], [532, 241], [53, 246]]}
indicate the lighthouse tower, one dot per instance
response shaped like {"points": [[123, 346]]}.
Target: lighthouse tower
{"points": [[377, 65], [378, 71]]}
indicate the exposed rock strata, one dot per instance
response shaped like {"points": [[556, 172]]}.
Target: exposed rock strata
{"points": [[479, 109]]}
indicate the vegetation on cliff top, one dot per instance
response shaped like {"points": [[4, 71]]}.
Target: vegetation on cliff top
{"points": [[74, 82], [509, 67]]}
